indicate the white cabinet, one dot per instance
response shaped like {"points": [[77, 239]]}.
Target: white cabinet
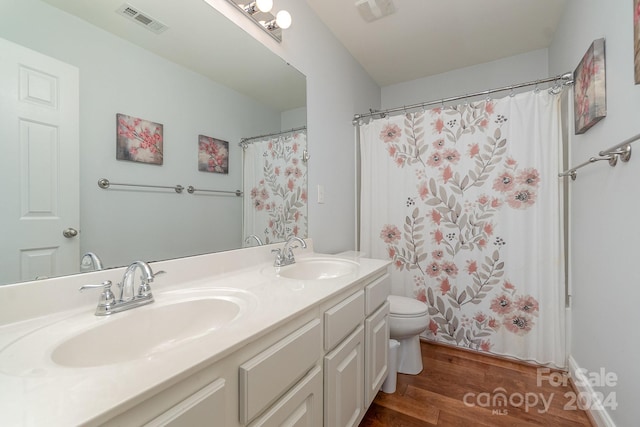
{"points": [[341, 319], [204, 408], [301, 406], [344, 382], [357, 341], [321, 367], [268, 375], [376, 332]]}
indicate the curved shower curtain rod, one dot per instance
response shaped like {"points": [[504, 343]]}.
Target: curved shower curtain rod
{"points": [[244, 141], [566, 79]]}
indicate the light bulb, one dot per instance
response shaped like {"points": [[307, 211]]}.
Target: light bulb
{"points": [[264, 5], [283, 19]]}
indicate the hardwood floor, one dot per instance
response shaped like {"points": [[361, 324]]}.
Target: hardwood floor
{"points": [[436, 397]]}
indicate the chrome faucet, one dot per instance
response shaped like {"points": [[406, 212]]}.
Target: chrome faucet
{"points": [[91, 260], [128, 298], [127, 293], [285, 256], [253, 236]]}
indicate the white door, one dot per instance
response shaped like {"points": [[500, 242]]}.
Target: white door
{"points": [[39, 165]]}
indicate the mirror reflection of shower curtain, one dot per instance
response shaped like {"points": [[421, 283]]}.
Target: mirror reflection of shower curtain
{"points": [[275, 188]]}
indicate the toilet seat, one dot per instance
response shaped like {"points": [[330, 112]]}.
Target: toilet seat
{"points": [[406, 307]]}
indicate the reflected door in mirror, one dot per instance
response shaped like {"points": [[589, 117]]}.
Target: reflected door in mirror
{"points": [[39, 134]]}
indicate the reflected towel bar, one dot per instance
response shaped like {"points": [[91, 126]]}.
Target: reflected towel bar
{"points": [[104, 183], [191, 189]]}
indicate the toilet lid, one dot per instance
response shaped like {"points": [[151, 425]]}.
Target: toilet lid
{"points": [[406, 307]]}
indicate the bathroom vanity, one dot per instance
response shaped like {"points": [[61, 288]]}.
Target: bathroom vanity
{"points": [[229, 341]]}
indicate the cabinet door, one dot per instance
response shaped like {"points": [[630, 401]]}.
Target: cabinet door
{"points": [[268, 375], [344, 382], [301, 406], [204, 408], [376, 331]]}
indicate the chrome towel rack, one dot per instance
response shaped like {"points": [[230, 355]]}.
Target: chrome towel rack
{"points": [[620, 151], [191, 189], [104, 183]]}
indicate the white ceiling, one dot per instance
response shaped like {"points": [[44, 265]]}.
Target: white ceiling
{"points": [[202, 39], [423, 38], [428, 37]]}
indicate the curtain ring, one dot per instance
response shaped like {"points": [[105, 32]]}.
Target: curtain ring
{"points": [[511, 92]]}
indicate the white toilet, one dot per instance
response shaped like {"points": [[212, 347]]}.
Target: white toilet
{"points": [[407, 319]]}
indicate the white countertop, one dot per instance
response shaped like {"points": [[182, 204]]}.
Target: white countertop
{"points": [[49, 394]]}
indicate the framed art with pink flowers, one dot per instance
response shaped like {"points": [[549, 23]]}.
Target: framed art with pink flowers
{"points": [[213, 155], [138, 140], [590, 99]]}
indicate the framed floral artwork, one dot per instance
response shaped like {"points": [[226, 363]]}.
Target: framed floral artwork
{"points": [[590, 100], [636, 39], [138, 140], [213, 155]]}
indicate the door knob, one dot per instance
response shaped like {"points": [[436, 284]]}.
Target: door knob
{"points": [[70, 232]]}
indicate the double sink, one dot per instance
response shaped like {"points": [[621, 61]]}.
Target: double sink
{"points": [[177, 317]]}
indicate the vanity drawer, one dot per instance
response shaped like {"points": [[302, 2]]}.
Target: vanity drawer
{"points": [[301, 406], [343, 318], [376, 293], [204, 408], [264, 378]]}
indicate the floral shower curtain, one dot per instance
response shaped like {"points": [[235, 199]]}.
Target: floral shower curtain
{"points": [[275, 188], [465, 201]]}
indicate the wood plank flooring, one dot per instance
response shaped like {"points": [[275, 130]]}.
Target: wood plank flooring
{"points": [[436, 397]]}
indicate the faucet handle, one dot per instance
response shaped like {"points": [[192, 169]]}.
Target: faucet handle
{"points": [[279, 257], [290, 251], [157, 273], [107, 298], [144, 290]]}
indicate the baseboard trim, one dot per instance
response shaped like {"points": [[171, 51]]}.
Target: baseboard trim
{"points": [[599, 417]]}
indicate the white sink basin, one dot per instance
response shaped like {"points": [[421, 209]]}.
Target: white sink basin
{"points": [[145, 332], [85, 340], [317, 269]]}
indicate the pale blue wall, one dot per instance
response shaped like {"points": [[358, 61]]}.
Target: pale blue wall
{"points": [[604, 201], [119, 77]]}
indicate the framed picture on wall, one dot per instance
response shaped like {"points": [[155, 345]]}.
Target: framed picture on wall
{"points": [[590, 98], [213, 155], [138, 140], [636, 39]]}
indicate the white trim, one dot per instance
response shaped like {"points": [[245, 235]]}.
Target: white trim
{"points": [[568, 330], [600, 416]]}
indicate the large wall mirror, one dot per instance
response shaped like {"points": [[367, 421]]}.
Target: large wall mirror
{"points": [[202, 78]]}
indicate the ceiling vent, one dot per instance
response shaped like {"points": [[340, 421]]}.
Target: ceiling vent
{"points": [[372, 10], [141, 18]]}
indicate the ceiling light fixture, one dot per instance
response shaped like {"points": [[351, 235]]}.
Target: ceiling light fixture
{"points": [[259, 11], [283, 20], [258, 6], [264, 5]]}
